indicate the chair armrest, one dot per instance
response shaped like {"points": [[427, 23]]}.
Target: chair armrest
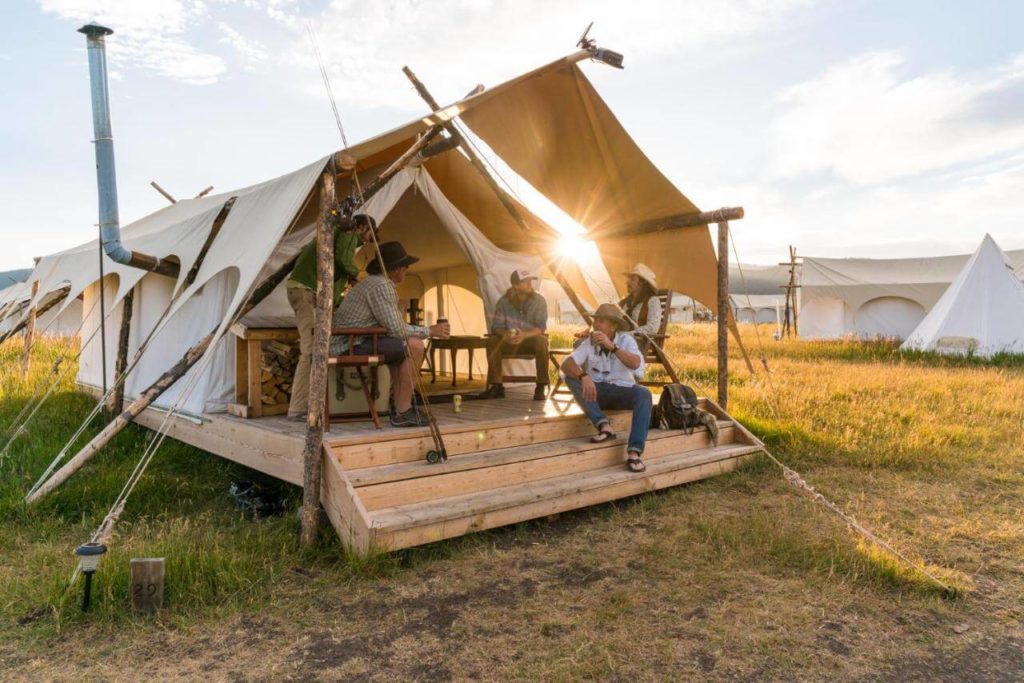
{"points": [[360, 331]]}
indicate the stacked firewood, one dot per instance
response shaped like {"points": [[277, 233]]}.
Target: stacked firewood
{"points": [[278, 369]]}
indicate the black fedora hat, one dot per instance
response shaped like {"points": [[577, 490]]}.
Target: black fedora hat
{"points": [[393, 255]]}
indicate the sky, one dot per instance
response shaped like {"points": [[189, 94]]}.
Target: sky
{"points": [[860, 128]]}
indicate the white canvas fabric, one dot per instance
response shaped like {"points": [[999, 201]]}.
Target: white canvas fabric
{"points": [[981, 312], [870, 297], [759, 308]]}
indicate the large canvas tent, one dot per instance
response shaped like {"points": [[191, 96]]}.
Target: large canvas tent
{"points": [[549, 125], [982, 311], [876, 297]]}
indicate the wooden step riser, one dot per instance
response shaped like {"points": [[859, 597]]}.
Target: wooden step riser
{"points": [[406, 538], [576, 458], [358, 456]]}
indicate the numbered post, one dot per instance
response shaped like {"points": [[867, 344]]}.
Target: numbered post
{"points": [[147, 588]]}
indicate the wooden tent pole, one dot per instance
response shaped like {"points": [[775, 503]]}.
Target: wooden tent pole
{"points": [[172, 375], [794, 290], [30, 333], [312, 454], [723, 314], [123, 336], [61, 295], [502, 195]]}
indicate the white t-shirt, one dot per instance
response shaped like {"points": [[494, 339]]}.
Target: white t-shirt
{"points": [[606, 367]]}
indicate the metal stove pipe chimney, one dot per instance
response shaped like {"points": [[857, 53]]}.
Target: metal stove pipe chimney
{"points": [[106, 178]]}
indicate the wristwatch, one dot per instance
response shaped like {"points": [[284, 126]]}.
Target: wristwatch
{"points": [[615, 348], [583, 374]]}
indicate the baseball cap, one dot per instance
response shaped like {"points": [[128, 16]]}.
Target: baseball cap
{"points": [[521, 274]]}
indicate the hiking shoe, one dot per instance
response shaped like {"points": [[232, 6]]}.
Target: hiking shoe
{"points": [[540, 393], [494, 391], [410, 418]]}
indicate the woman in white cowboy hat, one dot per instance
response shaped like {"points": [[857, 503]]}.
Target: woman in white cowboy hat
{"points": [[642, 305]]}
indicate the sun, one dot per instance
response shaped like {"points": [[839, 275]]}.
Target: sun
{"points": [[578, 249]]}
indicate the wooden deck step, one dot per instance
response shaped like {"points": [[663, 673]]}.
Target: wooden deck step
{"points": [[494, 469], [439, 518]]}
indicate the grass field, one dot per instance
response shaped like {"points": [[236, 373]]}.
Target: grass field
{"points": [[738, 577]]}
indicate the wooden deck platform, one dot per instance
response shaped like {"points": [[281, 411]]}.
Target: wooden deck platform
{"points": [[510, 460]]}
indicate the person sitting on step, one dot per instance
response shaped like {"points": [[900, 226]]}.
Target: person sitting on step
{"points": [[374, 303], [517, 327], [602, 373]]}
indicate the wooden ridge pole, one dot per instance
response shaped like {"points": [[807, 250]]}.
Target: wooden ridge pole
{"points": [[312, 455], [175, 372], [30, 332], [61, 295], [723, 314], [503, 196]]}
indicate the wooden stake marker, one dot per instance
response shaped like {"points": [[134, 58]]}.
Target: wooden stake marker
{"points": [[147, 588]]}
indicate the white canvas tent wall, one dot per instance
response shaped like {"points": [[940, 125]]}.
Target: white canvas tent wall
{"points": [[870, 297], [982, 311], [549, 125], [63, 321], [758, 308]]}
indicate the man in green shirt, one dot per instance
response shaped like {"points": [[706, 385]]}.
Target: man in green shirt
{"points": [[301, 287]]}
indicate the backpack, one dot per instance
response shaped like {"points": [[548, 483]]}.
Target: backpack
{"points": [[677, 408]]}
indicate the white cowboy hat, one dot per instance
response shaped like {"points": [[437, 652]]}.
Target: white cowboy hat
{"points": [[644, 272]]}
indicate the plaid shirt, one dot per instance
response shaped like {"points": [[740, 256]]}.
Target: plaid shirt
{"points": [[373, 302]]}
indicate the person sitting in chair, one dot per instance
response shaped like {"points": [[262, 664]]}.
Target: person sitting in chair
{"points": [[642, 305], [602, 373], [373, 302], [517, 327], [301, 290]]}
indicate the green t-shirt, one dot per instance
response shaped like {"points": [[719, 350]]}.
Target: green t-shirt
{"points": [[345, 246]]}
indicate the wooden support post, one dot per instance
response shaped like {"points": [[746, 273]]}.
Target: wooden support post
{"points": [[30, 333], [176, 371], [147, 584], [723, 314], [503, 196], [117, 399], [312, 454], [165, 193]]}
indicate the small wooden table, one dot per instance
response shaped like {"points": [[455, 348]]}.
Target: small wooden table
{"points": [[455, 344]]}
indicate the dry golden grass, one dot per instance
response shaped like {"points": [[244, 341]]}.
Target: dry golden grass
{"points": [[738, 577]]}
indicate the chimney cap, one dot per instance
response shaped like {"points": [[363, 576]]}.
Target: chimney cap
{"points": [[94, 30]]}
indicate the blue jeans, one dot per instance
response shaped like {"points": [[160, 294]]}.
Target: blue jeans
{"points": [[613, 397]]}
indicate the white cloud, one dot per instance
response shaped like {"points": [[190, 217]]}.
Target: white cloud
{"points": [[454, 44], [149, 34], [862, 122], [251, 51]]}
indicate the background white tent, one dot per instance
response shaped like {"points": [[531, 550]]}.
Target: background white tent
{"points": [[982, 311], [758, 308], [875, 297]]}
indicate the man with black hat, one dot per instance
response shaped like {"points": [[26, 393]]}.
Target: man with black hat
{"points": [[374, 303], [602, 373], [301, 288], [517, 327]]}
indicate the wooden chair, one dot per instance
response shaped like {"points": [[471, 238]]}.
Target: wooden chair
{"points": [[351, 360], [653, 352], [520, 356]]}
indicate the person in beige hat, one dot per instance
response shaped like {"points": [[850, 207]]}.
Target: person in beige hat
{"points": [[642, 304], [602, 374]]}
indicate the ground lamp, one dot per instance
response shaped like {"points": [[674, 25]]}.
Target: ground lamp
{"points": [[89, 555]]}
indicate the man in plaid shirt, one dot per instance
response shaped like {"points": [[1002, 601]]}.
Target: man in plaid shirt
{"points": [[373, 302]]}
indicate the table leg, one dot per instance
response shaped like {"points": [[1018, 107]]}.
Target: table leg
{"points": [[433, 365], [454, 376], [470, 363]]}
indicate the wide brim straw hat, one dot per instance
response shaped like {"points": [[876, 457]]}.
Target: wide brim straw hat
{"points": [[613, 313], [644, 272]]}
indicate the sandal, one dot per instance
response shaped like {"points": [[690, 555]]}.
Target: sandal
{"points": [[604, 433], [634, 463]]}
